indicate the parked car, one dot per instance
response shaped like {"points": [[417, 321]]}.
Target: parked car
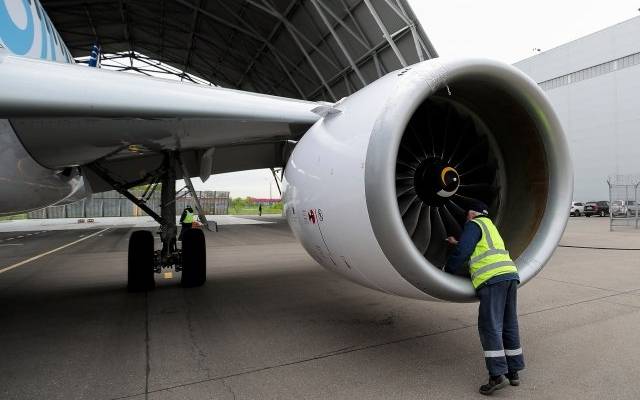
{"points": [[624, 208], [619, 208], [600, 208], [577, 209], [632, 208]]}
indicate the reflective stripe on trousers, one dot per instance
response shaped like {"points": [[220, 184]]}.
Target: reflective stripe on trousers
{"points": [[498, 327]]}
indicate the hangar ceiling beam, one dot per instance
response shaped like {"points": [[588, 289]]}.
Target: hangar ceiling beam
{"points": [[249, 33], [269, 38], [385, 32], [376, 60], [194, 22], [91, 24], [361, 40], [279, 60], [380, 46], [302, 49], [340, 44], [125, 21], [414, 32], [162, 28], [268, 8]]}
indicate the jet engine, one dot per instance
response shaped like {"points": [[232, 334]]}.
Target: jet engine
{"points": [[373, 188]]}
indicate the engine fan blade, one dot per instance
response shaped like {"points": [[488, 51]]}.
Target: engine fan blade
{"points": [[473, 151], [411, 218], [422, 235], [437, 250], [465, 127], [406, 164], [405, 187], [408, 151], [405, 201], [445, 132], [451, 223], [418, 140]]}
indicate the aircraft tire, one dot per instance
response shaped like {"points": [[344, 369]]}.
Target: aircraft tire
{"points": [[194, 259], [140, 262]]}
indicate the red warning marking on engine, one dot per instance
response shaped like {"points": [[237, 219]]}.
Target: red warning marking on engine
{"points": [[312, 216]]}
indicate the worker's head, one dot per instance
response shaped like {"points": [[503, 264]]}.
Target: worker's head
{"points": [[188, 208], [477, 208]]}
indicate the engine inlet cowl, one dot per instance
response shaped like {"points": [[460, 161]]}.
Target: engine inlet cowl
{"points": [[393, 174]]}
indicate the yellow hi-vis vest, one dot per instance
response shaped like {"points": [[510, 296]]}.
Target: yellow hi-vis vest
{"points": [[489, 258], [188, 219]]}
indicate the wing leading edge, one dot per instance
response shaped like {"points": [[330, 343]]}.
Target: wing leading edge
{"points": [[69, 115]]}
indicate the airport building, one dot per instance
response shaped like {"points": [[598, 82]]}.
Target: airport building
{"points": [[594, 86], [113, 204]]}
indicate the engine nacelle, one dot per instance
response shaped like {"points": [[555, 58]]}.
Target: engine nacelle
{"points": [[373, 190], [26, 185]]}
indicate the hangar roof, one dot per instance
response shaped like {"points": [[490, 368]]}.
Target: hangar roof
{"points": [[308, 49]]}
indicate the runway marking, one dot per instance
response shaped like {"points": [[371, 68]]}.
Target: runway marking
{"points": [[10, 267], [12, 244]]}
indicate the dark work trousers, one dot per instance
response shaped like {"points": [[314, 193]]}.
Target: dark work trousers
{"points": [[185, 227], [498, 327]]}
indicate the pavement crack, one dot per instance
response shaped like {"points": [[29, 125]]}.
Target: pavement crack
{"points": [[201, 354], [229, 388], [372, 346], [579, 284]]}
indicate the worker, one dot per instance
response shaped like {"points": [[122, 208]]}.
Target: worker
{"points": [[186, 219], [495, 278]]}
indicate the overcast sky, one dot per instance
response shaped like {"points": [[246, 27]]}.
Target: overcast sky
{"points": [[499, 29]]}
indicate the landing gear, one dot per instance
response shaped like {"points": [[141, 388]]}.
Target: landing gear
{"points": [[194, 259], [143, 259], [140, 267]]}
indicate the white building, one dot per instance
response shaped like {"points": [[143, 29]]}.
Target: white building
{"points": [[594, 85]]}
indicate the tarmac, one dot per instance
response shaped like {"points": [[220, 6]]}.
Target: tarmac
{"points": [[272, 324]]}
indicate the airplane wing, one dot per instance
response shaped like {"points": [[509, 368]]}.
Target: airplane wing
{"points": [[126, 122]]}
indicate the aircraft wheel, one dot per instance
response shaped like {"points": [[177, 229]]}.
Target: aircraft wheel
{"points": [[194, 258], [140, 263]]}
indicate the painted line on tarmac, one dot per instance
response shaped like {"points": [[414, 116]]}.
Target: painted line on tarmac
{"points": [[10, 267], [597, 248]]}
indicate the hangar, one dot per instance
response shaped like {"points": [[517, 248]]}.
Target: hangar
{"points": [[311, 50], [594, 85]]}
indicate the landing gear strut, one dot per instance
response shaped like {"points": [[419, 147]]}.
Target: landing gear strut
{"points": [[143, 259]]}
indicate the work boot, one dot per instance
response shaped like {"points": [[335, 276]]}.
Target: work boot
{"points": [[513, 378], [495, 383]]}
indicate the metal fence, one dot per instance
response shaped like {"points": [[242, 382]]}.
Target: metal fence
{"points": [[113, 204], [623, 201]]}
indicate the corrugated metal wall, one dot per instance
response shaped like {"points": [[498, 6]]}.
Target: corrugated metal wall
{"points": [[113, 204]]}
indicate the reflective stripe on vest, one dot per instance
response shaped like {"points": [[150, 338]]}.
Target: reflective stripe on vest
{"points": [[188, 219], [489, 258]]}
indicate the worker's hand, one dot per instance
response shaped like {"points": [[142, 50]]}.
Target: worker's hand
{"points": [[451, 240]]}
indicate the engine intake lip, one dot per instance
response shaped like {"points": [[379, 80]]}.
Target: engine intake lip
{"points": [[414, 87]]}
